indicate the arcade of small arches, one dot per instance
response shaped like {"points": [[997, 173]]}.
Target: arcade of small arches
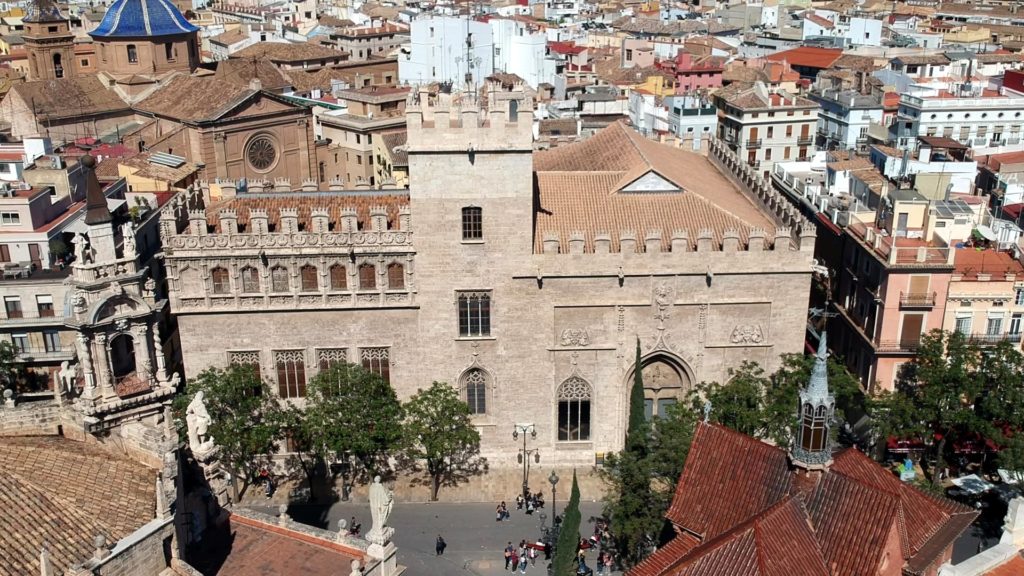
{"points": [[336, 277]]}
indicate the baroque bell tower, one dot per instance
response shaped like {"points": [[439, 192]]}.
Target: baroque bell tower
{"points": [[49, 42]]}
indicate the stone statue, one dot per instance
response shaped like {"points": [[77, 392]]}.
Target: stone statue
{"points": [[128, 237], [356, 569], [198, 421], [381, 501], [81, 248], [66, 375]]}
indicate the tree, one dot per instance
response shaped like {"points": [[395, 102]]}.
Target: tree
{"points": [[564, 563], [782, 395], [739, 403], [8, 367], [351, 414], [1011, 458], [245, 418], [636, 434], [439, 434]]}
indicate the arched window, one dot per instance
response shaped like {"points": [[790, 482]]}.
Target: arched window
{"points": [[339, 277], [396, 276], [221, 285], [250, 280], [367, 277], [472, 223], [310, 282], [133, 54], [279, 279], [665, 384], [169, 51], [58, 67], [475, 385], [291, 373], [574, 410]]}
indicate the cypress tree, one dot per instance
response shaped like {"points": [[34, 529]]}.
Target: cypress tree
{"points": [[636, 434], [564, 562]]}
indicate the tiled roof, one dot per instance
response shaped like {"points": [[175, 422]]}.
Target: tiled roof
{"points": [[824, 23], [808, 56], [61, 494], [241, 73], [230, 37], [918, 59], [580, 185], [194, 98], [290, 52], [393, 140], [146, 169], [991, 58], [142, 19], [305, 203], [970, 262], [853, 510], [65, 97]]}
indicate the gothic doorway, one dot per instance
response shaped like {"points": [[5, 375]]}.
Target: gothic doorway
{"points": [[122, 356], [666, 383]]}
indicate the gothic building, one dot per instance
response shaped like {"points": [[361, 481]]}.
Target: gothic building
{"points": [[522, 278]]}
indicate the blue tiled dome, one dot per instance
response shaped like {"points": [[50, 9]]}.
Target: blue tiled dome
{"points": [[142, 18]]}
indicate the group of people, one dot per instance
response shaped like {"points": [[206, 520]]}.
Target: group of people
{"points": [[531, 502], [518, 558]]}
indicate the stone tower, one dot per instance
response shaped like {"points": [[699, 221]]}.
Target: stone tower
{"points": [[117, 316], [813, 447], [48, 41]]}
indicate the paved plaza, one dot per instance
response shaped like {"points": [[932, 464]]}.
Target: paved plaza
{"points": [[475, 540]]}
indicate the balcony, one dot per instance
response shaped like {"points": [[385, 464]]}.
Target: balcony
{"points": [[41, 354], [917, 299], [993, 339], [804, 141], [753, 143], [755, 164], [897, 346]]}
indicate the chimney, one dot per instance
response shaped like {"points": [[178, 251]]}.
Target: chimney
{"points": [[255, 84]]}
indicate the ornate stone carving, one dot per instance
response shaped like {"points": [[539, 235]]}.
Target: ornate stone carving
{"points": [[198, 421], [79, 302], [128, 239], [121, 324], [575, 337], [244, 357], [664, 298], [574, 388], [329, 356], [702, 322], [747, 334], [381, 502]]}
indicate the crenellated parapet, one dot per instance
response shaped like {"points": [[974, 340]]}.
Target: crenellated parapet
{"points": [[629, 242], [464, 122]]}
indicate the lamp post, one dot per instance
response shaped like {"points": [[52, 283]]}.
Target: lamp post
{"points": [[524, 455], [553, 479]]}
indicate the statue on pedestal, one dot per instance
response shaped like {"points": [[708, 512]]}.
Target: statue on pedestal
{"points": [[381, 502], [198, 421]]}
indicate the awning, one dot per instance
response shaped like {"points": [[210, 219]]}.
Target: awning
{"points": [[972, 484], [1008, 477], [985, 232]]}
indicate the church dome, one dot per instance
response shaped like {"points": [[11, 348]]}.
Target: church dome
{"points": [[142, 19]]}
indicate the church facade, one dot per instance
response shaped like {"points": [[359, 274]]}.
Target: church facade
{"points": [[524, 279]]}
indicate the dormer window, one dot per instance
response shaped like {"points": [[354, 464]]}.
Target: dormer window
{"points": [[651, 182]]}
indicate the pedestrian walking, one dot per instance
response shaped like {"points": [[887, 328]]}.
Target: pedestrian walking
{"points": [[522, 564], [508, 554], [440, 545], [515, 560], [533, 555], [497, 513]]}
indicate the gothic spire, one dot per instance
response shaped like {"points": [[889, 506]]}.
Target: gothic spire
{"points": [[813, 447], [96, 211], [818, 386]]}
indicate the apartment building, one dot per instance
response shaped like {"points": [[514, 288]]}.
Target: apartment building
{"points": [[353, 128], [986, 297], [766, 126], [974, 116]]}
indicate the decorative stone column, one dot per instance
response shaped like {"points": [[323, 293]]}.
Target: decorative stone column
{"points": [[161, 361], [106, 383], [83, 346], [143, 353]]}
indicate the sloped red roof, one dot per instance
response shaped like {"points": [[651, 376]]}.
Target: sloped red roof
{"points": [[565, 47], [808, 56], [741, 508]]}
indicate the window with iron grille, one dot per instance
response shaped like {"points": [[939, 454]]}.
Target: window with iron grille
{"points": [[474, 314], [376, 360], [291, 373], [472, 223], [396, 276], [221, 284], [250, 279], [367, 277], [310, 282], [339, 277], [279, 279]]}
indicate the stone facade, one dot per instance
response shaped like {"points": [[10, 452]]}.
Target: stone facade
{"points": [[563, 323]]}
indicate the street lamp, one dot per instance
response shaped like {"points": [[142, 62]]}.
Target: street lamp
{"points": [[524, 455], [553, 479]]}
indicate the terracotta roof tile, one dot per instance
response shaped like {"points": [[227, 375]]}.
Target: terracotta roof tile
{"points": [[290, 52], [393, 140], [194, 98], [65, 97], [580, 187], [60, 493], [969, 263], [808, 56], [241, 72], [305, 203]]}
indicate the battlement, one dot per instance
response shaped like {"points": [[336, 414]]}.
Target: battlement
{"points": [[501, 120], [782, 239]]}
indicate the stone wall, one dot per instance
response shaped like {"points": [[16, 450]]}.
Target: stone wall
{"points": [[30, 419], [146, 552]]}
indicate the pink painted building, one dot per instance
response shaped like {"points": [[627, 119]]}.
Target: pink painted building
{"points": [[697, 73]]}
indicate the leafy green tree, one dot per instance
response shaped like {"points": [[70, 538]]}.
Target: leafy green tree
{"points": [[353, 415], [8, 366], [245, 417], [782, 395], [440, 439], [739, 403], [636, 434], [670, 443], [1011, 457], [565, 562]]}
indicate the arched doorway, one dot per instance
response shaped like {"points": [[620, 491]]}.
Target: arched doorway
{"points": [[667, 381], [122, 356]]}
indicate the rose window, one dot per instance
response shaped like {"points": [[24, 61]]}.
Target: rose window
{"points": [[261, 153]]}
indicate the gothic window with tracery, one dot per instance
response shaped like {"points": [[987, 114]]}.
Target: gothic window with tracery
{"points": [[261, 153], [367, 277], [291, 373], [250, 279], [474, 314], [249, 359], [475, 385], [574, 397], [396, 276], [279, 279], [310, 282], [376, 360], [219, 277], [339, 277], [328, 358]]}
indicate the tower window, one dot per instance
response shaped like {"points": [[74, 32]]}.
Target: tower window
{"points": [[221, 284], [472, 223], [169, 51], [133, 54], [58, 66]]}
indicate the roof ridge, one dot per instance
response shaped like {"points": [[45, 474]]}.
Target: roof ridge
{"points": [[630, 135]]}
